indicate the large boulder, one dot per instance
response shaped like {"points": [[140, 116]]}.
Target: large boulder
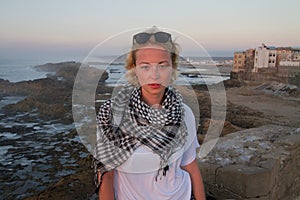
{"points": [[258, 163]]}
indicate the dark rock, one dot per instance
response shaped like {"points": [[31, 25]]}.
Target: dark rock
{"points": [[52, 97], [237, 117], [229, 83], [76, 186], [227, 128], [280, 89]]}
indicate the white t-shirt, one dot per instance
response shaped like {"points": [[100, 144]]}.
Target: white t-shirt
{"points": [[135, 179]]}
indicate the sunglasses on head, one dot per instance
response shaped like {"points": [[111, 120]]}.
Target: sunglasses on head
{"points": [[161, 37]]}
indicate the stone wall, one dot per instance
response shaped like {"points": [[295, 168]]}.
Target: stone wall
{"points": [[282, 77], [284, 74], [259, 163], [258, 77]]}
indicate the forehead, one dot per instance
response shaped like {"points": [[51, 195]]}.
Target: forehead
{"points": [[151, 54]]}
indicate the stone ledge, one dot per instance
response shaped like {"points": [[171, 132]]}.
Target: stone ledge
{"points": [[245, 181], [259, 163]]}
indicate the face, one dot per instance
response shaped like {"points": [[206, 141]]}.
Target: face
{"points": [[154, 72]]}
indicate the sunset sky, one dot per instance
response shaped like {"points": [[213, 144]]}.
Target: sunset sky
{"points": [[75, 27]]}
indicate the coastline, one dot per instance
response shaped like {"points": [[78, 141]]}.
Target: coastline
{"points": [[245, 103]]}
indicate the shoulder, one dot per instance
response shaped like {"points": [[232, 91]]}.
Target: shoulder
{"points": [[189, 118], [188, 113]]}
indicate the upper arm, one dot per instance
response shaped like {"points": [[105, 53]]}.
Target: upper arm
{"points": [[192, 141], [196, 179], [106, 191]]}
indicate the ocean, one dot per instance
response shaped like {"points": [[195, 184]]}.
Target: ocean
{"points": [[16, 70]]}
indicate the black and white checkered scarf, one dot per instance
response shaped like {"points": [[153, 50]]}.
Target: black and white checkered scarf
{"points": [[125, 122]]}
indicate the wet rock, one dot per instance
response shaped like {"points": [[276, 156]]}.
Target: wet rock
{"points": [[76, 186], [51, 97], [69, 70]]}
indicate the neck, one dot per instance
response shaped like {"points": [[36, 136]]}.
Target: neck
{"points": [[154, 100]]}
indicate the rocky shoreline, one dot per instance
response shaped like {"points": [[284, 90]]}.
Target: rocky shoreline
{"points": [[50, 100], [39, 142]]}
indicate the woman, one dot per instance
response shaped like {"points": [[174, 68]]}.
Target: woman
{"points": [[147, 142]]}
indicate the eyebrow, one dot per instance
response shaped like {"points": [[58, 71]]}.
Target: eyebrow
{"points": [[161, 62], [165, 61]]}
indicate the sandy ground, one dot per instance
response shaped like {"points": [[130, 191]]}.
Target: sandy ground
{"points": [[281, 109]]}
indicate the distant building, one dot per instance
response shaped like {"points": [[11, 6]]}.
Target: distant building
{"points": [[284, 53], [295, 54], [239, 61], [250, 54], [267, 63], [287, 56], [243, 61], [265, 57]]}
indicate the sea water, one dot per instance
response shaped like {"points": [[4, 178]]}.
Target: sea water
{"points": [[16, 70]]}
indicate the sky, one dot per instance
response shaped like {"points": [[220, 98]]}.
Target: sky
{"points": [[32, 28]]}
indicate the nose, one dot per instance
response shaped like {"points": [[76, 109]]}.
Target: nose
{"points": [[155, 72]]}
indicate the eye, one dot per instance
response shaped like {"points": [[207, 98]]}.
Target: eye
{"points": [[144, 67], [163, 66]]}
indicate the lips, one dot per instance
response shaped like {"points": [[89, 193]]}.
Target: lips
{"points": [[154, 85]]}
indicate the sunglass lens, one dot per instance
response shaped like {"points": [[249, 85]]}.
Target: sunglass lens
{"points": [[162, 37], [142, 38]]}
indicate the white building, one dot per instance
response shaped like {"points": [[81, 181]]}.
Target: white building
{"points": [[288, 56], [265, 57], [290, 63]]}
